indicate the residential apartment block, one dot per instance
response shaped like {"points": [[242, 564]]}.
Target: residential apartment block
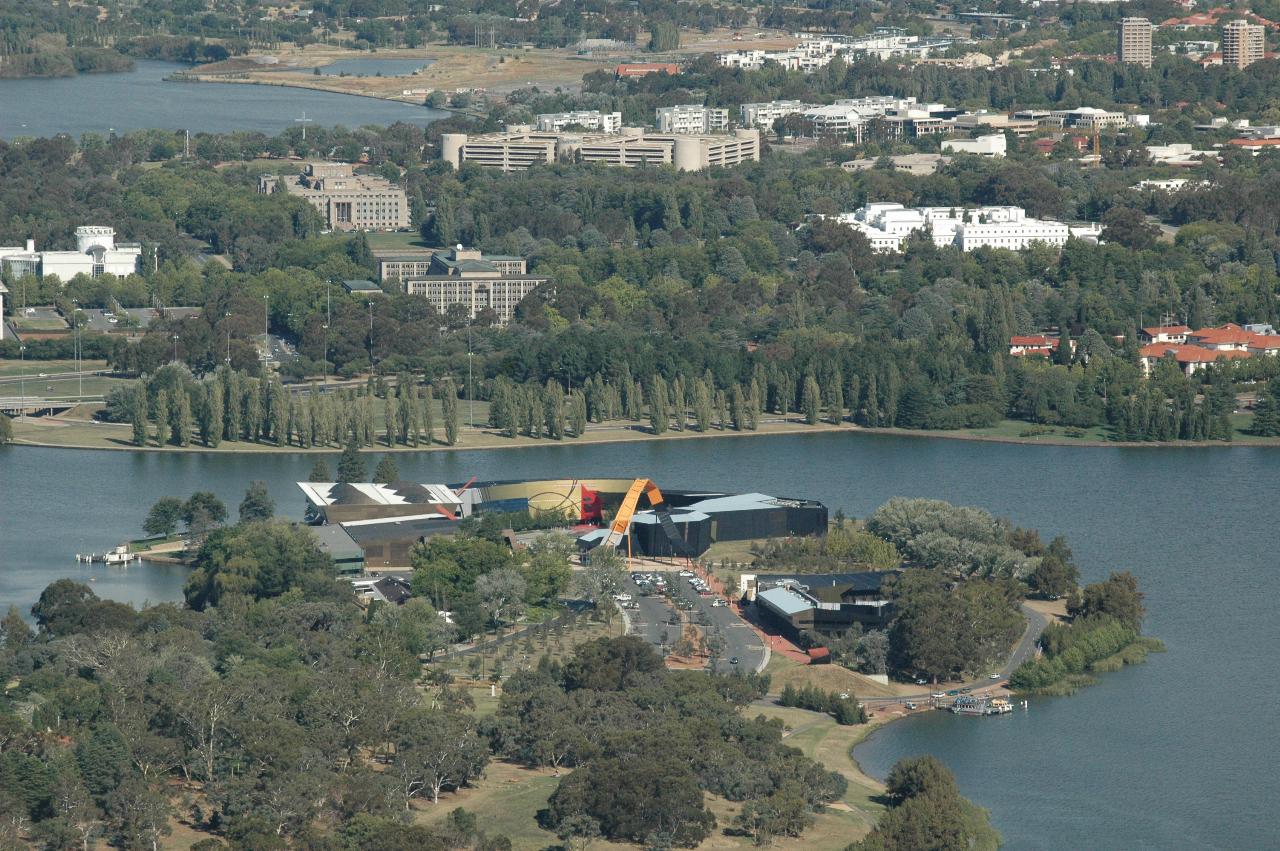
{"points": [[520, 147], [468, 278], [348, 201], [1243, 43], [691, 118], [594, 119], [888, 226], [763, 115], [1133, 42]]}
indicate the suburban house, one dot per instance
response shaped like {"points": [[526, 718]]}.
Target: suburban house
{"points": [[1033, 344]]}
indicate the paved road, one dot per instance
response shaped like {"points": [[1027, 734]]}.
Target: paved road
{"points": [[1022, 651], [651, 621]]}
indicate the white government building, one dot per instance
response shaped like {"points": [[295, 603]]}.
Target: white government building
{"points": [[889, 225], [96, 254], [587, 119]]}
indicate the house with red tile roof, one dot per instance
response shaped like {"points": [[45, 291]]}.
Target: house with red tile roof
{"points": [[1163, 334], [1032, 344], [1225, 338], [1191, 359]]}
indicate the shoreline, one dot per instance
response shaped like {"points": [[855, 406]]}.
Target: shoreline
{"points": [[637, 435]]}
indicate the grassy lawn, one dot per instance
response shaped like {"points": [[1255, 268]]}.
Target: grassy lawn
{"points": [[60, 431], [821, 738], [35, 367], [392, 241]]}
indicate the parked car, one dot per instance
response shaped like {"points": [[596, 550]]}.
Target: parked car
{"points": [[733, 661], [937, 695], [624, 597], [718, 604]]}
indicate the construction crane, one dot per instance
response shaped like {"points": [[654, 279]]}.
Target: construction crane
{"points": [[622, 520]]}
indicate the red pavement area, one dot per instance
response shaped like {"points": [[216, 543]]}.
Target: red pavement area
{"points": [[775, 641]]}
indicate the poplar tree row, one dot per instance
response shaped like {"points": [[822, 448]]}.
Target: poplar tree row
{"points": [[173, 408]]}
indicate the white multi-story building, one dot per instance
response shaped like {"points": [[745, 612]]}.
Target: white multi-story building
{"points": [[691, 118], [594, 119], [851, 115], [763, 115], [814, 52], [96, 254], [993, 145], [887, 226]]}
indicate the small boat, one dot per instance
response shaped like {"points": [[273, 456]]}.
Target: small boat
{"points": [[119, 555], [967, 704]]}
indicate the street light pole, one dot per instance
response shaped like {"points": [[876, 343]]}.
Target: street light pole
{"points": [[471, 396], [328, 320], [175, 348], [266, 299], [75, 323], [371, 336], [22, 379], [227, 315]]}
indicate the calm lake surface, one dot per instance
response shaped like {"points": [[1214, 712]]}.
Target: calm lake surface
{"points": [[1179, 752], [102, 103]]}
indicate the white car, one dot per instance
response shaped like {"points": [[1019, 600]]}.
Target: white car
{"points": [[717, 604], [994, 677], [686, 573], [624, 597]]}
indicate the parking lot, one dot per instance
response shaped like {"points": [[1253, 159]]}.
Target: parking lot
{"points": [[655, 613]]}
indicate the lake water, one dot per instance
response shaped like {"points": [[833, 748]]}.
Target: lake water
{"points": [[1179, 752], [139, 99], [374, 67]]}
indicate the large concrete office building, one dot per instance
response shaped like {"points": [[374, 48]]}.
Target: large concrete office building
{"points": [[1243, 43], [466, 278], [690, 118], [348, 201], [520, 147], [1133, 42]]}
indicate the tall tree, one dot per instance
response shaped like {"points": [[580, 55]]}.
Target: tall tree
{"points": [[351, 467], [257, 504], [449, 407], [387, 471], [810, 400]]}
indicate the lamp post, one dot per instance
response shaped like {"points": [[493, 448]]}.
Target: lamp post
{"points": [[471, 396], [266, 299], [75, 323], [371, 336], [227, 315], [175, 348], [22, 379], [328, 320]]}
